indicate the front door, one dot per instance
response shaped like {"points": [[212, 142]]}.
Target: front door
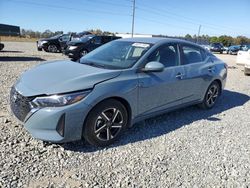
{"points": [[161, 90]]}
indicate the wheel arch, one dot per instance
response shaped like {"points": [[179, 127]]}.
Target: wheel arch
{"points": [[220, 84], [121, 100]]}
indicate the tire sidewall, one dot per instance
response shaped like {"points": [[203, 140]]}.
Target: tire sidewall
{"points": [[89, 125], [52, 45], [206, 106]]}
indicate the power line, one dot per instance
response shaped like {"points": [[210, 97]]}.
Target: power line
{"points": [[164, 12], [133, 19], [68, 8]]}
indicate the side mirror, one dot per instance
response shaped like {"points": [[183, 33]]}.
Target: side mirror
{"points": [[153, 66]]}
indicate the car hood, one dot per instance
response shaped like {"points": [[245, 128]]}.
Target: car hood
{"points": [[48, 39], [61, 77], [75, 43]]}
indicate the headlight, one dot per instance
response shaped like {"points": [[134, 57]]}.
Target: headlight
{"points": [[43, 42], [58, 100], [73, 47]]}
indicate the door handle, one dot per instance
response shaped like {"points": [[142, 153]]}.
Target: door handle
{"points": [[180, 75]]}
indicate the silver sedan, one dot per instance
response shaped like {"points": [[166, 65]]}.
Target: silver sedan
{"points": [[114, 86]]}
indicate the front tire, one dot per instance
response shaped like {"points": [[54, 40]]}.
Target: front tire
{"points": [[53, 48], [83, 53], [211, 96], [105, 123]]}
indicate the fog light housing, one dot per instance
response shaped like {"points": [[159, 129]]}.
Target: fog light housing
{"points": [[61, 125]]}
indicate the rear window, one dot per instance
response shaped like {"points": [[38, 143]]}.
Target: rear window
{"points": [[192, 55]]}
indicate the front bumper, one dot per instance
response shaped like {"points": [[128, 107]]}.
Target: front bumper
{"points": [[216, 50], [45, 123], [72, 53]]}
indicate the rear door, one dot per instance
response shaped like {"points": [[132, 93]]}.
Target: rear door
{"points": [[198, 70], [95, 43]]}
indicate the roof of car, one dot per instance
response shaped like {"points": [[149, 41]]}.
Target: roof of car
{"points": [[154, 40]]}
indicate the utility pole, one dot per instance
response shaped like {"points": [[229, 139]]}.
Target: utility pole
{"points": [[133, 19], [199, 30]]}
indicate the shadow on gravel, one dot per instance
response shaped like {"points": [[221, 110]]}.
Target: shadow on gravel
{"points": [[19, 58], [10, 51], [168, 122]]}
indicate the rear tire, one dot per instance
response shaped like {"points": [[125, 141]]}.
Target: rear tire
{"points": [[211, 96], [105, 123]]}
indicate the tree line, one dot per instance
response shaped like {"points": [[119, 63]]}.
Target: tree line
{"points": [[203, 39], [224, 39], [28, 33]]}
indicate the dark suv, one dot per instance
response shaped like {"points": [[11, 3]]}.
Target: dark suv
{"points": [[53, 44], [216, 47], [80, 47]]}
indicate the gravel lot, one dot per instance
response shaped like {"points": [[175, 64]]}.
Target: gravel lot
{"points": [[186, 148]]}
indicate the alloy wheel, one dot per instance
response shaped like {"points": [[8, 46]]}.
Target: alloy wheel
{"points": [[83, 53], [108, 124], [212, 95], [52, 48]]}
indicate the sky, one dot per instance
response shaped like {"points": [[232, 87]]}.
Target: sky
{"points": [[166, 17]]}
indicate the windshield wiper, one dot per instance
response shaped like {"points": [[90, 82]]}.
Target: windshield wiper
{"points": [[95, 65]]}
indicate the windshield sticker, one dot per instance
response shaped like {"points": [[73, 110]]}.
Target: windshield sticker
{"points": [[142, 45]]}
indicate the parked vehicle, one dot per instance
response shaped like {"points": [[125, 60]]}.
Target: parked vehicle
{"points": [[1, 46], [53, 44], [243, 58], [78, 48], [216, 47], [245, 47], [233, 50], [74, 37], [114, 86], [207, 47]]}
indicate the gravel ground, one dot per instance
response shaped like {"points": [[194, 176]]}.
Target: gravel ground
{"points": [[186, 148]]}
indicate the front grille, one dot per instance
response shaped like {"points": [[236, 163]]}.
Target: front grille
{"points": [[19, 104]]}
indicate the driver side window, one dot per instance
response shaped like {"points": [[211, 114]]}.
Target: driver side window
{"points": [[166, 54]]}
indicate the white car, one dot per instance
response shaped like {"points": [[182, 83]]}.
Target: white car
{"points": [[243, 58]]}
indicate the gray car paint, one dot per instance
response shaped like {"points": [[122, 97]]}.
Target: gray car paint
{"points": [[62, 77], [147, 94]]}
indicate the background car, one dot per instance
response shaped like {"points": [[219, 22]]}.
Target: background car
{"points": [[80, 47], [216, 47], [233, 50], [115, 86], [53, 44], [245, 47]]}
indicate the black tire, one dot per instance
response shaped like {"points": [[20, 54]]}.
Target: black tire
{"points": [[211, 96], [52, 48], [83, 53], [1, 46], [105, 123], [245, 72]]}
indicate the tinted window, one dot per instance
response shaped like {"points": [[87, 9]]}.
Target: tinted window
{"points": [[192, 55], [106, 39], [166, 54], [97, 40], [64, 38]]}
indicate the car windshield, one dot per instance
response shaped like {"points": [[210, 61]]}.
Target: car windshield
{"points": [[116, 54], [86, 38], [56, 36]]}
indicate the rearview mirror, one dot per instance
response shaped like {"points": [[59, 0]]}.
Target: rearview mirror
{"points": [[153, 66]]}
